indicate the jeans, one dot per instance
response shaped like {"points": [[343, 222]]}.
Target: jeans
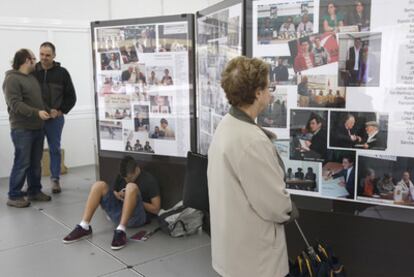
{"points": [[53, 131], [28, 150]]}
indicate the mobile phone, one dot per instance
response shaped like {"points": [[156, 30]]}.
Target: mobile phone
{"points": [[139, 236]]}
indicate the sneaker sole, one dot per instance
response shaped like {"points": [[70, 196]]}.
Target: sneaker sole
{"points": [[117, 247], [72, 241]]}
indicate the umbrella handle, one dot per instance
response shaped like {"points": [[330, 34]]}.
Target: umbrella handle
{"points": [[303, 235]]}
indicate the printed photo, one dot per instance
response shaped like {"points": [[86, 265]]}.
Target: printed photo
{"points": [[141, 118], [386, 179], [359, 59], [338, 174], [117, 107], [205, 140], [140, 144], [161, 104], [216, 121], [205, 120], [173, 37], [128, 52], [111, 130], [110, 84], [284, 21], [314, 51], [280, 70], [107, 38], [162, 128], [300, 175], [362, 130], [308, 135], [344, 16], [233, 32], [133, 74], [110, 61], [275, 114], [142, 37], [320, 91]]}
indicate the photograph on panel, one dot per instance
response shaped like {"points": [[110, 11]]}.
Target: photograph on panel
{"points": [[361, 130], [128, 52], [134, 74], [308, 135], [110, 84], [300, 175], [320, 91], [338, 174], [117, 107], [281, 70], [205, 140], [160, 104], [139, 142], [275, 114], [205, 120], [138, 91], [141, 36], [234, 32], [141, 118], [314, 51], [386, 179], [107, 39], [162, 128], [173, 37], [284, 21], [111, 130], [344, 16], [359, 59], [110, 61]]}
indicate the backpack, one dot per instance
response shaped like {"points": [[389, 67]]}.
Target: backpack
{"points": [[180, 220]]}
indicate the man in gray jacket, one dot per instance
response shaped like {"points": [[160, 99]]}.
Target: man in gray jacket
{"points": [[26, 115]]}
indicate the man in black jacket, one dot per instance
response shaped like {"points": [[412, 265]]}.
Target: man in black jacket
{"points": [[59, 97], [348, 173]]}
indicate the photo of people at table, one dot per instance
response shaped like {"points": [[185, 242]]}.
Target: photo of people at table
{"points": [[359, 59], [300, 175], [338, 174], [314, 51], [111, 130], [320, 91], [110, 61], [340, 16], [308, 135], [142, 37], [280, 22], [388, 179], [362, 130]]}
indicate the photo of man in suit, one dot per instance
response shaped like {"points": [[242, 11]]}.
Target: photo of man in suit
{"points": [[353, 62], [348, 173]]}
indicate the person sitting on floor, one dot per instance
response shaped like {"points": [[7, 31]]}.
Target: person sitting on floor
{"points": [[134, 194]]}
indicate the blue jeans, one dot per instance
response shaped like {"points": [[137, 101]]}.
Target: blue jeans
{"points": [[28, 150], [53, 131]]}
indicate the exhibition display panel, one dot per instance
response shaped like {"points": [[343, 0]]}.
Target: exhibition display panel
{"points": [[144, 85], [219, 39], [343, 104]]}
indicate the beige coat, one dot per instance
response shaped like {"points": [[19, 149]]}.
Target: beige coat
{"points": [[248, 202]]}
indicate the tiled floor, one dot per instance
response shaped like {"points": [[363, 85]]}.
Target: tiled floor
{"points": [[31, 240]]}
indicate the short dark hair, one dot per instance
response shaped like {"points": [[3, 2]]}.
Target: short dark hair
{"points": [[242, 77], [127, 166], [50, 45], [163, 120], [20, 58], [349, 158]]}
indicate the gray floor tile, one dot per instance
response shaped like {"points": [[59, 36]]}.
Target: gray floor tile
{"points": [[53, 258], [27, 226], [158, 245], [124, 273], [192, 263]]}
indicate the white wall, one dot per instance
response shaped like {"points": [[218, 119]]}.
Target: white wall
{"points": [[27, 23]]}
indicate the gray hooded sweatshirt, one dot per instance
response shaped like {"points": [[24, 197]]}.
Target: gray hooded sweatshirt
{"points": [[24, 100]]}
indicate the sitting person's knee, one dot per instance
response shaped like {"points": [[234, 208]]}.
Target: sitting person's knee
{"points": [[131, 188], [99, 185]]}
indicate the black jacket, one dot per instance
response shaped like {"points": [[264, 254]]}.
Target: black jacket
{"points": [[57, 87]]}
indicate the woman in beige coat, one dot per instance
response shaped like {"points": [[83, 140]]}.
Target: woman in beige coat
{"points": [[248, 200]]}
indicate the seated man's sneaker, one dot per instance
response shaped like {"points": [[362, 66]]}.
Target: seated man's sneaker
{"points": [[18, 202], [119, 241], [40, 196], [77, 234]]}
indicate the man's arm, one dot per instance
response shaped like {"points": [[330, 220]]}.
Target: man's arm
{"points": [[155, 205], [69, 95]]}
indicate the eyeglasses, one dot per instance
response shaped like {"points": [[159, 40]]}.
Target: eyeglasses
{"points": [[272, 88]]}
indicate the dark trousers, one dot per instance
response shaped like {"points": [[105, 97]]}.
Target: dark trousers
{"points": [[28, 150]]}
